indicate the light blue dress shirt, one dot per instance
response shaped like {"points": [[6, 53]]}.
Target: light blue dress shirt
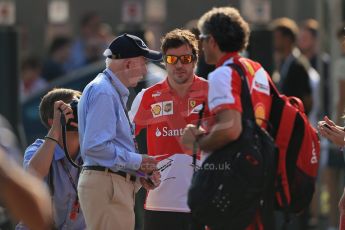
{"points": [[104, 132], [64, 193]]}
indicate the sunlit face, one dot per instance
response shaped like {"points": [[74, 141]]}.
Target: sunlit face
{"points": [[180, 73], [207, 49]]}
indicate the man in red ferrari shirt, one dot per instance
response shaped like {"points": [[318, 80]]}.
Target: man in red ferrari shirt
{"points": [[164, 110], [224, 34]]}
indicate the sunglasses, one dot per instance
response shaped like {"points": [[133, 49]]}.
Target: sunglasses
{"points": [[184, 59]]}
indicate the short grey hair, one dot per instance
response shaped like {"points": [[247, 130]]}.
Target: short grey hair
{"points": [[108, 62]]}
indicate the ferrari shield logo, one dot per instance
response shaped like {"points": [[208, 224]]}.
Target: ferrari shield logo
{"points": [[192, 103]]}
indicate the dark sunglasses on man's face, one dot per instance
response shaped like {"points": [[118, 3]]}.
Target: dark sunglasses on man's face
{"points": [[185, 59]]}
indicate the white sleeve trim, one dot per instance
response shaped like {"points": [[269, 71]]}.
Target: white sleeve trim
{"points": [[136, 104], [220, 89]]}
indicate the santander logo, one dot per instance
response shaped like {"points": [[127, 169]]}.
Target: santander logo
{"points": [[166, 132], [158, 132]]}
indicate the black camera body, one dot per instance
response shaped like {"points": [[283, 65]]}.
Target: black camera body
{"points": [[74, 106]]}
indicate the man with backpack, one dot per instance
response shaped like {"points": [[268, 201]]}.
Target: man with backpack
{"points": [[224, 33]]}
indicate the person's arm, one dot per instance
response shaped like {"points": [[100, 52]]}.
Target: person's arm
{"points": [[332, 132], [225, 101], [42, 158], [227, 128], [26, 198]]}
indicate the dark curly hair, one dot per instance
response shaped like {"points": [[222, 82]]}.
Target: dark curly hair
{"points": [[177, 38], [227, 27]]}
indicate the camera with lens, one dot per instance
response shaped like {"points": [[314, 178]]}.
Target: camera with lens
{"points": [[74, 106]]}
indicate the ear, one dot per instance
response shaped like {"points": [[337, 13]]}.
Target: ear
{"points": [[50, 122], [212, 42], [127, 63]]}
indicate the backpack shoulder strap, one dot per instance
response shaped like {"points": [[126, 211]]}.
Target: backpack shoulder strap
{"points": [[273, 89], [247, 106]]}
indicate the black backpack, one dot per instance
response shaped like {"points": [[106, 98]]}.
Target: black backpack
{"points": [[236, 181]]}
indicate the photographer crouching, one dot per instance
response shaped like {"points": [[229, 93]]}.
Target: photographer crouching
{"points": [[46, 157]]}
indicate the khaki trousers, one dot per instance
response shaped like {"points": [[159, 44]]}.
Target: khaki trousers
{"points": [[107, 200]]}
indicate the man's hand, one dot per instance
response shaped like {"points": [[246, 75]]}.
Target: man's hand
{"points": [[331, 131], [190, 134], [60, 107], [148, 164], [152, 182]]}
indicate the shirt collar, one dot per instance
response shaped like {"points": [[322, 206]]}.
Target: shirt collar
{"points": [[124, 92], [59, 154], [226, 57]]}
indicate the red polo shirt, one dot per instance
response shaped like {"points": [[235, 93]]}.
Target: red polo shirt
{"points": [[165, 114]]}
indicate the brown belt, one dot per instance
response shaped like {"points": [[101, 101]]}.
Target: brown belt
{"points": [[104, 169]]}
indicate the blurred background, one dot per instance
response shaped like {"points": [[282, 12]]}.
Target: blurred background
{"points": [[59, 43]]}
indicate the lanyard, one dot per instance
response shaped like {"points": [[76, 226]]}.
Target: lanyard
{"points": [[70, 176], [124, 109], [75, 208]]}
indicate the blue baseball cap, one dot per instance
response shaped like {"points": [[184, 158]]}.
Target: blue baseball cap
{"points": [[130, 46]]}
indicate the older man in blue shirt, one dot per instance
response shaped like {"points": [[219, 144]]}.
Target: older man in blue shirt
{"points": [[112, 164]]}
